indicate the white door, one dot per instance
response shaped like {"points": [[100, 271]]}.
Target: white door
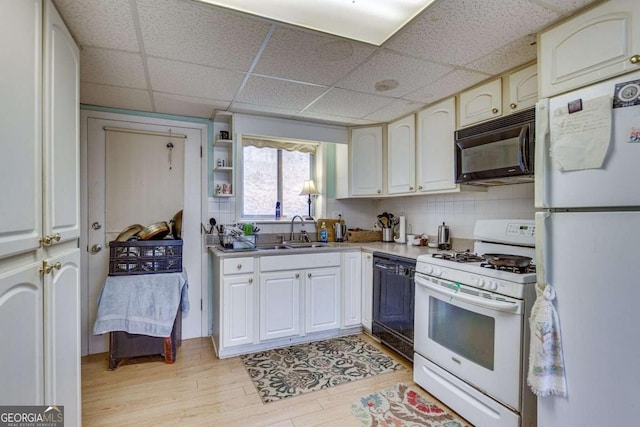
{"points": [[239, 310], [62, 334], [61, 130], [365, 157], [20, 121], [600, 43], [615, 183], [480, 103], [322, 296], [590, 258], [279, 304], [96, 240], [401, 151], [352, 288], [21, 308], [367, 290], [435, 146]]}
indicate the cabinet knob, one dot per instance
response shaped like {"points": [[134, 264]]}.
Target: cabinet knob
{"points": [[250, 280], [513, 106], [297, 275], [308, 274], [47, 268], [379, 191], [419, 187], [410, 188], [494, 111], [239, 266], [635, 59], [46, 240]]}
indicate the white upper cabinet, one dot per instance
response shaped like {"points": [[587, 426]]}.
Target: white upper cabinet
{"points": [[435, 148], [522, 89], [401, 148], [600, 43], [480, 103], [365, 161]]}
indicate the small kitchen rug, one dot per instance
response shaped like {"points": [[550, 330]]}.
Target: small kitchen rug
{"points": [[401, 406], [287, 372]]}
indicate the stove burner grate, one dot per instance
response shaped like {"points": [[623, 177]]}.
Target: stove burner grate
{"points": [[518, 270], [459, 257]]}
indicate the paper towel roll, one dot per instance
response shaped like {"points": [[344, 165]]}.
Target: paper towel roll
{"points": [[402, 230]]}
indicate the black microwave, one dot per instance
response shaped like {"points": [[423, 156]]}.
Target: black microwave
{"points": [[497, 152]]}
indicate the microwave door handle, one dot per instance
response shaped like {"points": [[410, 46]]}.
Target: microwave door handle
{"points": [[522, 142], [482, 302]]}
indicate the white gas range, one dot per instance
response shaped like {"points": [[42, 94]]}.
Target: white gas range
{"points": [[471, 330]]}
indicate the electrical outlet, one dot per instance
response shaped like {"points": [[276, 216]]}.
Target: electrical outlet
{"points": [[337, 215]]}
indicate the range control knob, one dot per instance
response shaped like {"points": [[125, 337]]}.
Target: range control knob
{"points": [[477, 281], [493, 285], [428, 268], [437, 271]]}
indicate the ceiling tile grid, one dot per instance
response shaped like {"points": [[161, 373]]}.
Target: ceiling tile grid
{"points": [[507, 57], [385, 65], [274, 92], [112, 67], [450, 84], [189, 106], [115, 97], [396, 109], [301, 55], [193, 80], [342, 102], [200, 34], [108, 24]]}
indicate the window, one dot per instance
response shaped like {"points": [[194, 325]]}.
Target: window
{"points": [[275, 171]]}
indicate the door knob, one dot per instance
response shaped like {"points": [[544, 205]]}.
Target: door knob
{"points": [[96, 225], [96, 248]]}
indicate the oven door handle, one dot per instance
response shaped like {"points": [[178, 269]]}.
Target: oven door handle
{"points": [[482, 302]]}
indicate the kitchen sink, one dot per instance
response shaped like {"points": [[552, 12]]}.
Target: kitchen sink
{"points": [[271, 247], [296, 245]]}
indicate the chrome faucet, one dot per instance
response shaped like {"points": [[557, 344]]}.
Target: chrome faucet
{"points": [[303, 232]]}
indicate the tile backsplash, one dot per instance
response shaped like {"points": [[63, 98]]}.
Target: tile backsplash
{"points": [[423, 213]]}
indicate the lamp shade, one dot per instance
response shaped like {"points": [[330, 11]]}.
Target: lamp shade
{"points": [[308, 188]]}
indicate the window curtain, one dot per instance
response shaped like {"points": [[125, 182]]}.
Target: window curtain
{"points": [[303, 147]]}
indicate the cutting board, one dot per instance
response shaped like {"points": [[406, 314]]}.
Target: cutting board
{"points": [[331, 231]]}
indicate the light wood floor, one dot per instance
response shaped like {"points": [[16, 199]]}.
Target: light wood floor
{"points": [[202, 390]]}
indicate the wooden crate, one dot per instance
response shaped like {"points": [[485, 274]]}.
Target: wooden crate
{"points": [[355, 236]]}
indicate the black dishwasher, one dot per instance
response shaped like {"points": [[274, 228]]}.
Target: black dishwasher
{"points": [[393, 302]]}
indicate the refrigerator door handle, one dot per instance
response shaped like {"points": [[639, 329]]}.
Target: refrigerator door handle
{"points": [[542, 253], [541, 150]]}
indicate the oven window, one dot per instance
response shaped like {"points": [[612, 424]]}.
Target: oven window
{"points": [[469, 334], [494, 155]]}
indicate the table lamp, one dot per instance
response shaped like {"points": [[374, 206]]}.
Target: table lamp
{"points": [[309, 189]]}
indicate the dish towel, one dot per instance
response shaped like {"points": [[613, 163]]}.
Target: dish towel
{"points": [[546, 375]]}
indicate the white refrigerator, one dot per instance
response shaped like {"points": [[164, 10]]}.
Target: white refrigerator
{"points": [[588, 248]]}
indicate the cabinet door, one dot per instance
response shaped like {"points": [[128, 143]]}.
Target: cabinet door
{"points": [[61, 129], [62, 334], [21, 317], [365, 157], [367, 290], [480, 103], [600, 43], [238, 310], [435, 151], [401, 151], [352, 288], [523, 89], [20, 121], [279, 304], [322, 296]]}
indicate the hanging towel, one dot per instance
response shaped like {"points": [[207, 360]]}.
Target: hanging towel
{"points": [[546, 375]]}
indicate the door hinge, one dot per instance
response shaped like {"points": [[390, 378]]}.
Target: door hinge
{"points": [[200, 304], [201, 151]]}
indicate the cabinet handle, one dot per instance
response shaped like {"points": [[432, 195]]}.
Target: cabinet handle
{"points": [[494, 111], [251, 280], [308, 274], [513, 106], [635, 59], [419, 187], [379, 191], [46, 240], [410, 188], [297, 275], [239, 266], [47, 268]]}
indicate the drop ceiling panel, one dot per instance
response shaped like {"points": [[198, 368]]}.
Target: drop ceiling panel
{"points": [[411, 75], [278, 93], [200, 34], [459, 31], [310, 57], [240, 107], [450, 84], [188, 106], [115, 97], [342, 102], [329, 118], [193, 80], [564, 6], [101, 23], [510, 56], [396, 109], [112, 67]]}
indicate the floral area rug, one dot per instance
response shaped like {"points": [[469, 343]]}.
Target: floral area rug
{"points": [[286, 372], [401, 406]]}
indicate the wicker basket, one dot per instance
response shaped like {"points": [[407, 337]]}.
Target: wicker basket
{"points": [[355, 236], [145, 257]]}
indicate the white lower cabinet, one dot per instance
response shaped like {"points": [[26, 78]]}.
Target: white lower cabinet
{"points": [[367, 290], [322, 299], [351, 288], [279, 304], [239, 308]]}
